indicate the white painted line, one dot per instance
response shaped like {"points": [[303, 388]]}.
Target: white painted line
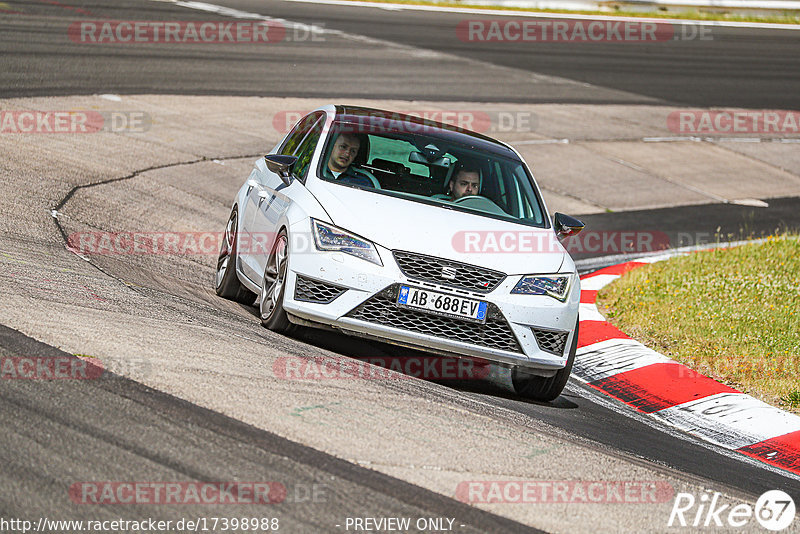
{"points": [[682, 251], [612, 357], [238, 14], [658, 257], [220, 10], [591, 264], [555, 5], [670, 139], [571, 5], [598, 281], [532, 14], [753, 202], [542, 142], [484, 66], [589, 312], [731, 420], [678, 139], [783, 5], [733, 140], [721, 139]]}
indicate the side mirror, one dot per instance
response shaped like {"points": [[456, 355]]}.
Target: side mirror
{"points": [[567, 226], [282, 166]]}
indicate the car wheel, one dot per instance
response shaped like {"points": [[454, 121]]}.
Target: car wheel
{"points": [[273, 287], [226, 282], [545, 389]]}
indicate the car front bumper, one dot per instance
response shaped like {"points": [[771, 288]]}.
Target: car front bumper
{"points": [[355, 283]]}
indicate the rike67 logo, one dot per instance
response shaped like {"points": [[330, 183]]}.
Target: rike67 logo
{"points": [[774, 510]]}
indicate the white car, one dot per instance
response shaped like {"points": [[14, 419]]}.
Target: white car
{"points": [[358, 221]]}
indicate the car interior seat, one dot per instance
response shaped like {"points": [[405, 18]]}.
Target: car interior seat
{"points": [[361, 159]]}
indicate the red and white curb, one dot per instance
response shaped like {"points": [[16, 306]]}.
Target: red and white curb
{"points": [[623, 368]]}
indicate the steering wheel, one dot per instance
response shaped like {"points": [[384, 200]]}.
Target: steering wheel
{"points": [[481, 203], [468, 197]]}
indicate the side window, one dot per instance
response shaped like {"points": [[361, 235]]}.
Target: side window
{"points": [[503, 191], [527, 195], [299, 133], [305, 151]]}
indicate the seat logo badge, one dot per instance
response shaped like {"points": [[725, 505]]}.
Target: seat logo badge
{"points": [[449, 273]]}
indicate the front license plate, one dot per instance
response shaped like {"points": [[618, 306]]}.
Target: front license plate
{"points": [[442, 303]]}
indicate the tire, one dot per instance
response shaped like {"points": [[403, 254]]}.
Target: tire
{"points": [[273, 288], [226, 282], [545, 389]]}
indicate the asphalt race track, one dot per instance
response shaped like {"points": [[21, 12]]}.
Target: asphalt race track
{"points": [[732, 67], [189, 392]]}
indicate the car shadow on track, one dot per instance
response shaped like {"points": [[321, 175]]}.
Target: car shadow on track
{"points": [[466, 376]]}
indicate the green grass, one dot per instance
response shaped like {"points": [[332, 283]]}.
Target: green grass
{"points": [[792, 399], [785, 17], [731, 314]]}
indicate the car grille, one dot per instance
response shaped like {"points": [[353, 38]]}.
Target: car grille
{"points": [[462, 275], [549, 341], [308, 290], [381, 308]]}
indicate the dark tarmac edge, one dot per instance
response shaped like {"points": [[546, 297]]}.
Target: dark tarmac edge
{"points": [[689, 226], [193, 417]]}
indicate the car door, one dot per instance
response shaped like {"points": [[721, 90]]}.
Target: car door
{"points": [[272, 197], [250, 253]]}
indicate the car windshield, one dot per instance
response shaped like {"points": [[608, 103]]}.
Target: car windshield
{"points": [[441, 170]]}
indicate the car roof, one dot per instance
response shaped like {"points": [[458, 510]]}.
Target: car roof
{"points": [[390, 120]]}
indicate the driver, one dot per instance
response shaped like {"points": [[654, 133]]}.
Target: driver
{"points": [[465, 182], [340, 163]]}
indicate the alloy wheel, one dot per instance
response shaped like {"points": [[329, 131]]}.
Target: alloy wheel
{"points": [[274, 278], [225, 249]]}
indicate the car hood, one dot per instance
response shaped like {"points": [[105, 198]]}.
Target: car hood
{"points": [[400, 224]]}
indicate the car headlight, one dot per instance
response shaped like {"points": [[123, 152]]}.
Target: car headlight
{"points": [[556, 285], [330, 238]]}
